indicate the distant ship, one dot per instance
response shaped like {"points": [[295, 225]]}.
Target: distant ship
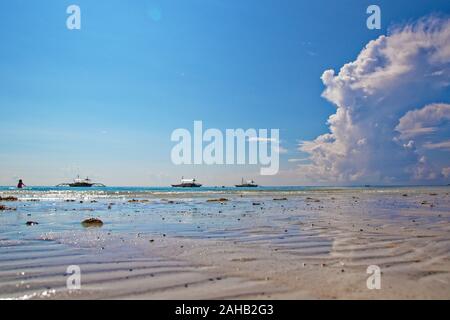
{"points": [[248, 184], [81, 183], [187, 183]]}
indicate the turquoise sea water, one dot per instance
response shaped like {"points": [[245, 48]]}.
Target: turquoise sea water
{"points": [[129, 190], [129, 211]]}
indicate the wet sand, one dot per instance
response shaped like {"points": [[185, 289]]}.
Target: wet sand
{"points": [[313, 245]]}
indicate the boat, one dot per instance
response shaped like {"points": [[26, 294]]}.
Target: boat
{"points": [[187, 183], [81, 183], [248, 184]]}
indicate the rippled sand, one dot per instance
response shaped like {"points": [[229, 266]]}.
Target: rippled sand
{"points": [[314, 245]]}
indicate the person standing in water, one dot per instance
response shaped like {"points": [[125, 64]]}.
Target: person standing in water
{"points": [[21, 184]]}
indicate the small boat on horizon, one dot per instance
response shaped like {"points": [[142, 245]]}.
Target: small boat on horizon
{"points": [[81, 183], [187, 183], [248, 184]]}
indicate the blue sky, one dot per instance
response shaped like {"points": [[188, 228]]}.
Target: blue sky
{"points": [[104, 100]]}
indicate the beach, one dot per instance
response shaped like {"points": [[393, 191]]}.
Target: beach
{"points": [[225, 243]]}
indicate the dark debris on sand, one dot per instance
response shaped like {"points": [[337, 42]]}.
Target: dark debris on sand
{"points": [[3, 208], [9, 199], [138, 201], [92, 222], [217, 200]]}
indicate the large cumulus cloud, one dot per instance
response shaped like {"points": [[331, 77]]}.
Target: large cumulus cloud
{"points": [[371, 136]]}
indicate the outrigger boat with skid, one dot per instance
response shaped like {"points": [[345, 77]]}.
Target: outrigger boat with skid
{"points": [[248, 184], [187, 183], [81, 183]]}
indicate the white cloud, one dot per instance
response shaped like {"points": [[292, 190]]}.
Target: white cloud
{"points": [[370, 133], [424, 121], [278, 149], [429, 127], [261, 139], [281, 150], [438, 145], [298, 160], [446, 172]]}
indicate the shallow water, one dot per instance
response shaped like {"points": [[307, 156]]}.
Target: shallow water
{"points": [[185, 212]]}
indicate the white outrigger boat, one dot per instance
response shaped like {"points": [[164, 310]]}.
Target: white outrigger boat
{"points": [[187, 183], [81, 183]]}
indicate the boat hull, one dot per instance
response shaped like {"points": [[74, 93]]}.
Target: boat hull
{"points": [[246, 186], [81, 185], [187, 185]]}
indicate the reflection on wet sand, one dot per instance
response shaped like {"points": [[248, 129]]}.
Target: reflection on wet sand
{"points": [[310, 244]]}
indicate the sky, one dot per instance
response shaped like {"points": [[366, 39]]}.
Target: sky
{"points": [[353, 105]]}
